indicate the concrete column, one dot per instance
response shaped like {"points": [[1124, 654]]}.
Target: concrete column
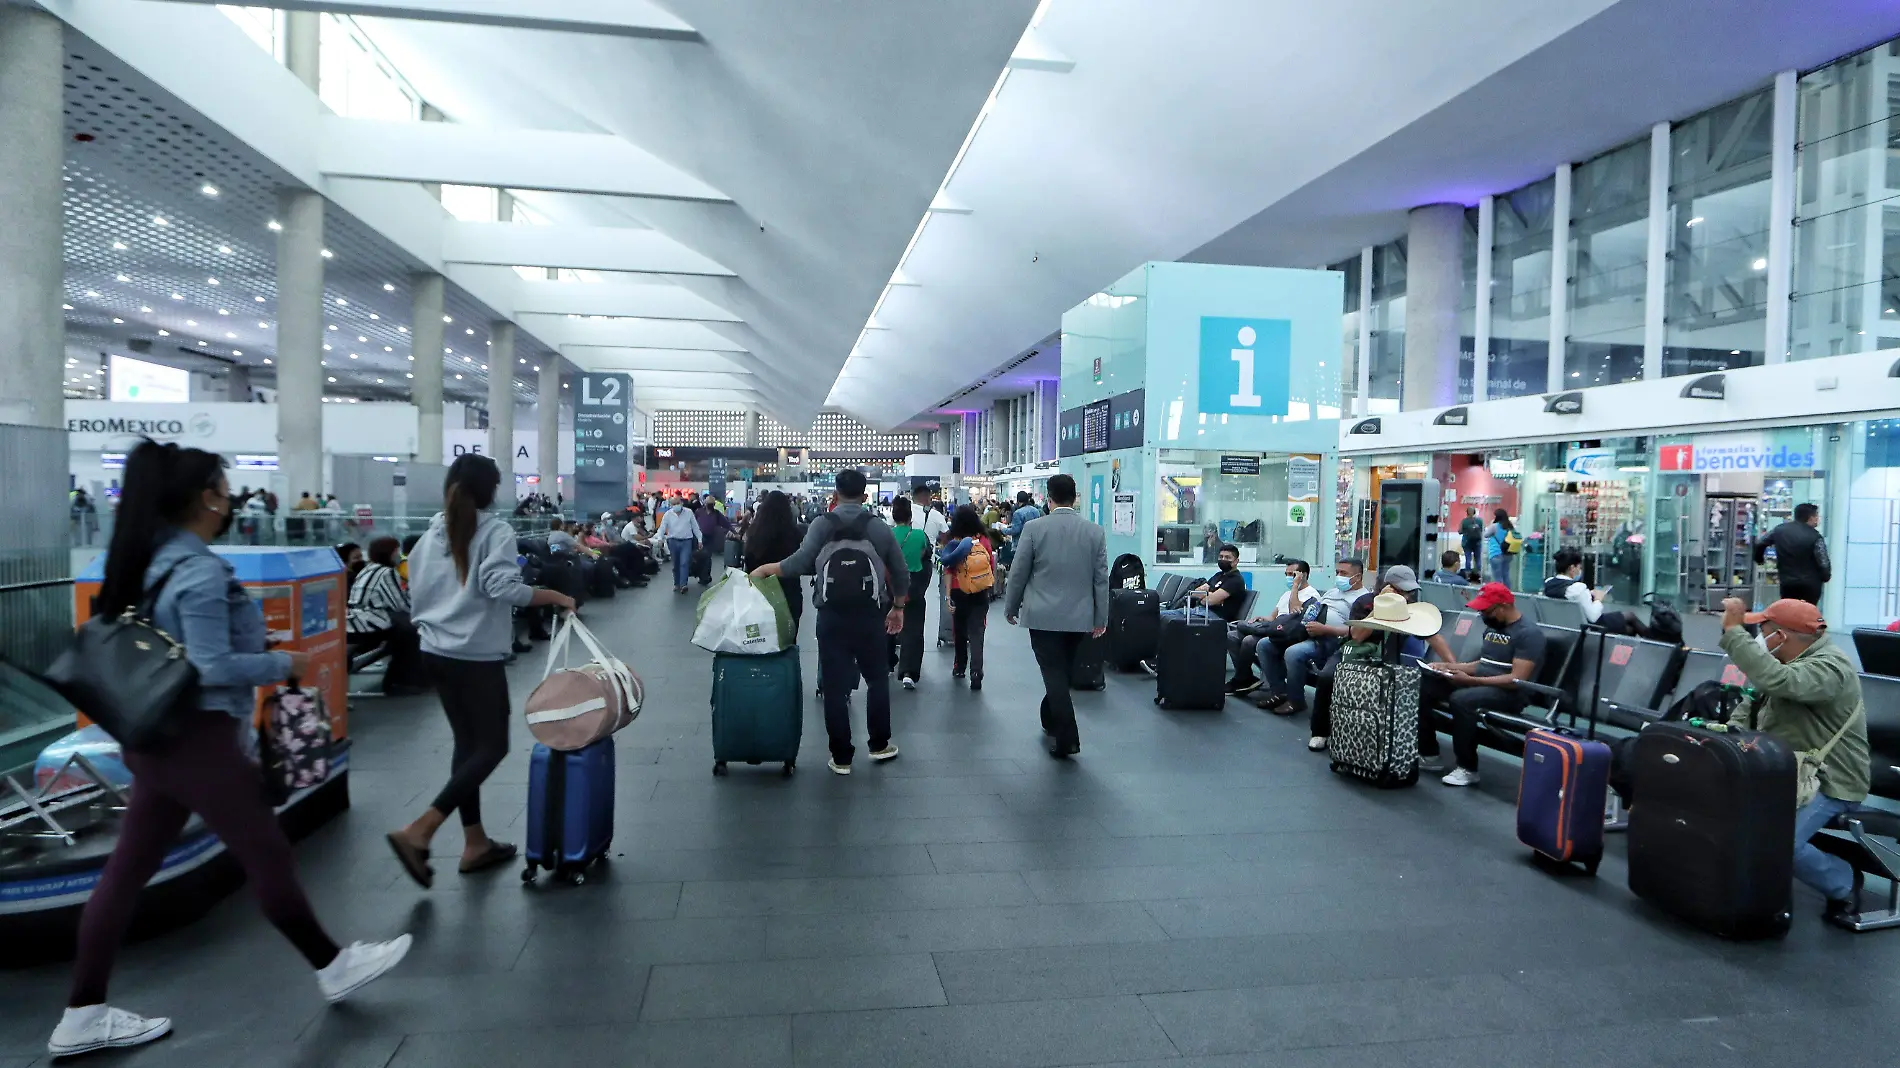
{"points": [[32, 248], [300, 340], [303, 30], [944, 437], [1781, 179], [751, 438], [548, 422], [1557, 377], [501, 406], [1434, 280], [425, 344]]}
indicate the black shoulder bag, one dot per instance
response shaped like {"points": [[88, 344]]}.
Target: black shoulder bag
{"points": [[129, 677]]}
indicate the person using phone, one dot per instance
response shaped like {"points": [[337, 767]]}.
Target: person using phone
{"points": [[1568, 585], [1512, 650]]}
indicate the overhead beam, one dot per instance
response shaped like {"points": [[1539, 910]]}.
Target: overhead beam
{"points": [[651, 380], [455, 154], [563, 333], [672, 396], [620, 18], [643, 300], [607, 357], [581, 248]]}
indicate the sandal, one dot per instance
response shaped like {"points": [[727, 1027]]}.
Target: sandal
{"points": [[498, 853], [414, 861]]}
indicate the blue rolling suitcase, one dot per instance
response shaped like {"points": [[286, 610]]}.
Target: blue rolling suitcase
{"points": [[570, 810], [758, 709], [1560, 797]]}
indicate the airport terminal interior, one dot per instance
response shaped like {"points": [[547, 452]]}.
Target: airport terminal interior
{"points": [[1551, 341]]}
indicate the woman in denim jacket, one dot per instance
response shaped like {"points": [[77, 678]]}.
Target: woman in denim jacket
{"points": [[176, 501]]}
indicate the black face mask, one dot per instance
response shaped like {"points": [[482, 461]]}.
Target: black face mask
{"points": [[230, 514], [1226, 565]]}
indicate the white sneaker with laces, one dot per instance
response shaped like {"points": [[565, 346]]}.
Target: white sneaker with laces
{"points": [[1316, 743], [1460, 777], [358, 965], [837, 768], [910, 683], [889, 751], [94, 1027]]}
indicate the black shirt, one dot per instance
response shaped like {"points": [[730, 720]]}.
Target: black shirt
{"points": [[1236, 587], [1517, 641]]}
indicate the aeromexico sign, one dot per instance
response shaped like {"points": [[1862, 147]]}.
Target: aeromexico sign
{"points": [[1738, 452]]}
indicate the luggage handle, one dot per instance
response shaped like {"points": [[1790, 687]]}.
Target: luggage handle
{"points": [[570, 625]]}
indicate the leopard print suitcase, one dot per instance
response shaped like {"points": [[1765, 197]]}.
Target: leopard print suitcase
{"points": [[1375, 723]]}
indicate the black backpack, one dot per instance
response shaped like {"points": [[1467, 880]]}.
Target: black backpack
{"points": [[1710, 701], [1127, 574], [1665, 623], [848, 573]]}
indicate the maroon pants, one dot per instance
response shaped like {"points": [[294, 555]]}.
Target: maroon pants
{"points": [[201, 771]]}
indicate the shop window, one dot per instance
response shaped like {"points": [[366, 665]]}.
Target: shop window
{"points": [[1520, 291], [1608, 267], [1717, 288], [1847, 236], [1387, 313]]}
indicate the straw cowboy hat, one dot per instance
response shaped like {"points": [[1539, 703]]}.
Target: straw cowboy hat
{"points": [[1391, 611]]}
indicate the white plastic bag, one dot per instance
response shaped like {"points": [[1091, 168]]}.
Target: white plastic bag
{"points": [[738, 615]]}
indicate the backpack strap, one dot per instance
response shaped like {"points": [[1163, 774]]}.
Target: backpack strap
{"points": [[854, 530]]}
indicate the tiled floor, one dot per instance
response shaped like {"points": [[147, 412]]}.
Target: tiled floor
{"points": [[1196, 890]]}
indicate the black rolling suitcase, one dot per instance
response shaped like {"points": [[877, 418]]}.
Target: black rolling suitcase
{"points": [[1191, 663], [1089, 672], [600, 578], [563, 576], [1134, 627], [1712, 839]]}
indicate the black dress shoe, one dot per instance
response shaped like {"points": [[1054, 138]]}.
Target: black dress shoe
{"points": [[523, 647], [1064, 752]]}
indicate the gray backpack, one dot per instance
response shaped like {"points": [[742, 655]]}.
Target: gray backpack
{"points": [[848, 573]]}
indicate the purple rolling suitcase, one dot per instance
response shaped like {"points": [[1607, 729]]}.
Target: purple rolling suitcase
{"points": [[570, 810], [1560, 797]]}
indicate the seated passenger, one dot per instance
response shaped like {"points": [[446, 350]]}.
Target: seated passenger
{"points": [[1243, 638], [1567, 585], [1807, 695], [1223, 592], [1448, 572], [378, 613], [1285, 671], [1513, 649]]}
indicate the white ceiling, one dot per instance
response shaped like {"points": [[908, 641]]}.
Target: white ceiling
{"points": [[1270, 133]]}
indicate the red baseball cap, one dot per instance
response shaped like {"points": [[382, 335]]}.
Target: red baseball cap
{"points": [[1791, 615], [1492, 595]]}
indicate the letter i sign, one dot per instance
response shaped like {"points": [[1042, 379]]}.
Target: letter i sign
{"points": [[1246, 365]]}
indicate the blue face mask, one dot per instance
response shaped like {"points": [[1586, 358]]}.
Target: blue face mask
{"points": [[1342, 583]]}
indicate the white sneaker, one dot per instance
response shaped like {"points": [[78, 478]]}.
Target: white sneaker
{"points": [[888, 752], [1460, 777], [1316, 743], [94, 1027], [910, 684], [359, 964], [837, 768]]}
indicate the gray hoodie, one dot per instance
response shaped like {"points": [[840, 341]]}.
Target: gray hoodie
{"points": [[473, 620]]}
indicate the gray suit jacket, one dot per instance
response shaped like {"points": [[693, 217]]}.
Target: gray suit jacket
{"points": [[1059, 580]]}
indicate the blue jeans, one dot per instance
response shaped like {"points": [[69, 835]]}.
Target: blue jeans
{"points": [[682, 550], [1825, 872], [1286, 673], [1174, 613], [1501, 568]]}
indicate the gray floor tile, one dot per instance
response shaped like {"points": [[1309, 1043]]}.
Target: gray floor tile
{"points": [[1332, 1014], [1076, 853], [784, 897], [940, 930], [767, 988], [1077, 1031], [624, 946], [761, 1041]]}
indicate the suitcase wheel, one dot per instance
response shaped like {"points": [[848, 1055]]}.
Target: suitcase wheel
{"points": [[719, 767], [527, 873], [754, 763], [1160, 702], [574, 878], [790, 766]]}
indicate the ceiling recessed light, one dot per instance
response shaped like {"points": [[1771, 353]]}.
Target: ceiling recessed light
{"points": [[458, 378], [524, 359], [408, 374], [123, 278], [118, 246], [208, 189], [116, 320], [363, 340], [387, 288], [332, 326], [178, 296], [164, 333], [66, 307], [412, 359], [386, 348], [224, 311], [203, 344], [267, 359], [145, 308], [326, 348], [341, 303], [159, 220], [275, 225], [327, 254], [191, 322], [259, 300], [92, 292], [1760, 264], [373, 315], [468, 359], [448, 318], [354, 356], [211, 281], [379, 381], [470, 331], [537, 367], [484, 367], [228, 334], [402, 330], [331, 379], [263, 326]]}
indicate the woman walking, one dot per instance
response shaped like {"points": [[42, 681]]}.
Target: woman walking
{"points": [[465, 583], [969, 564], [176, 501], [909, 642], [774, 535]]}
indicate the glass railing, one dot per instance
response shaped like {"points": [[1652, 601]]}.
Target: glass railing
{"points": [[92, 531]]}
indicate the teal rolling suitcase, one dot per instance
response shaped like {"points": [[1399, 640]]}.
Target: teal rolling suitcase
{"points": [[758, 709]]}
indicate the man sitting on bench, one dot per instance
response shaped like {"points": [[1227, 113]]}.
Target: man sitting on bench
{"points": [[1807, 695], [1513, 649]]}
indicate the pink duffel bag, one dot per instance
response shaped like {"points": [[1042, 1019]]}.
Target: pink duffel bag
{"points": [[574, 707]]}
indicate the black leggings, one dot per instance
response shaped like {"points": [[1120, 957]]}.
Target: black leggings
{"points": [[475, 698]]}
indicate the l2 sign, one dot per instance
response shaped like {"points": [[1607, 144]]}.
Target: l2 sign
{"points": [[1246, 365]]}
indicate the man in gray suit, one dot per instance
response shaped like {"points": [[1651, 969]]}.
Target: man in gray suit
{"points": [[1058, 586]]}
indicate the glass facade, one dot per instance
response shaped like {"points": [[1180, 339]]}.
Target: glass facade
{"points": [[1468, 308], [1717, 294], [1520, 291], [1349, 335], [1847, 235], [1608, 267], [1387, 314]]}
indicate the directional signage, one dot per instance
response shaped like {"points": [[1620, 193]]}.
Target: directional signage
{"points": [[603, 424]]}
